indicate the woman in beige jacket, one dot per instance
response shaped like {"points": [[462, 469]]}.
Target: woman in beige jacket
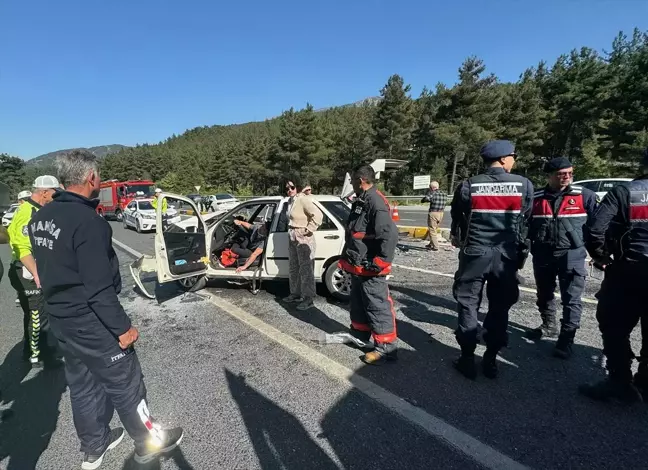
{"points": [[304, 218]]}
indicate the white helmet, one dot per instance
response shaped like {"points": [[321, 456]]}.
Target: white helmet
{"points": [[46, 182], [158, 190], [24, 195]]}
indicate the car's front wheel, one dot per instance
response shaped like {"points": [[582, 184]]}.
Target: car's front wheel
{"points": [[338, 282], [193, 283]]}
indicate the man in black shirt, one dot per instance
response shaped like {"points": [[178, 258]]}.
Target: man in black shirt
{"points": [[80, 279], [617, 241]]}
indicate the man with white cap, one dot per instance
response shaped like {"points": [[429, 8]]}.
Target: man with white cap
{"points": [[23, 196], [24, 275]]}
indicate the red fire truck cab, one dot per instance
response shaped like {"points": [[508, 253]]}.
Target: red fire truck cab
{"points": [[115, 195]]}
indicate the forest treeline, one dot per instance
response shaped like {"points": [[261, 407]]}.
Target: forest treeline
{"points": [[591, 106]]}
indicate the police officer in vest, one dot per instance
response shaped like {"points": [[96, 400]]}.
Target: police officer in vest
{"points": [[560, 211], [617, 240], [490, 214]]}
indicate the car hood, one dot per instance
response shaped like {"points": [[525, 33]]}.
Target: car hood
{"points": [[152, 212]]}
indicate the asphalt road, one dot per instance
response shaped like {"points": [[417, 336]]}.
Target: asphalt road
{"points": [[417, 216], [254, 387]]}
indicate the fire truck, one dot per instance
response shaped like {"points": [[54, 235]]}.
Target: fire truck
{"points": [[115, 195]]}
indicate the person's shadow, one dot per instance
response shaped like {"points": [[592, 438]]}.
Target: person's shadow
{"points": [[27, 426], [278, 437]]}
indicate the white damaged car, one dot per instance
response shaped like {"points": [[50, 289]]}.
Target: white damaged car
{"points": [[140, 215], [189, 251]]}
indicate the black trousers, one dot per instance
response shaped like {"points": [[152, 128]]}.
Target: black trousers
{"points": [[35, 320], [570, 271], [243, 253], [372, 308], [102, 378], [623, 302], [497, 268]]}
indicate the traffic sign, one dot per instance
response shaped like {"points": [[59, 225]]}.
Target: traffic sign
{"points": [[421, 182], [197, 188]]}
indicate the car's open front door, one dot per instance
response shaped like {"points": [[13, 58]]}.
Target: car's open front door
{"points": [[180, 240], [181, 243]]}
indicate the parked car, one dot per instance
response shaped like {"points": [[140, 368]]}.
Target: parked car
{"points": [[601, 186], [188, 251], [194, 197], [8, 216], [223, 202], [140, 215]]}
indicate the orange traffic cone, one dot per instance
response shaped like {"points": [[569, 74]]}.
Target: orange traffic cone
{"points": [[395, 216]]}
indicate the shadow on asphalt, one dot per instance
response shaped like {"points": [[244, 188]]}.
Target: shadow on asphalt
{"points": [[279, 439], [34, 407], [534, 402]]}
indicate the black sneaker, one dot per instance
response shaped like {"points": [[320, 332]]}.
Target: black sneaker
{"points": [[466, 365], [611, 390], [489, 365], [171, 439], [92, 461], [546, 330]]}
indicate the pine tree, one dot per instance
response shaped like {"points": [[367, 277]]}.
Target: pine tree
{"points": [[12, 173], [523, 122], [301, 148], [393, 121]]}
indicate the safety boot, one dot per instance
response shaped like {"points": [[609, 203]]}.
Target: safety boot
{"points": [[640, 380], [612, 390], [382, 353], [489, 364], [548, 329], [564, 345], [465, 364]]}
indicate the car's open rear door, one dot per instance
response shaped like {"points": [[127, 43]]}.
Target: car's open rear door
{"points": [[181, 245]]}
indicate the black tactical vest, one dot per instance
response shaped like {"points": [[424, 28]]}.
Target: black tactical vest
{"points": [[496, 202], [636, 240]]}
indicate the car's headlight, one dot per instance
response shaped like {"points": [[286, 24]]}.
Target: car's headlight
{"points": [[148, 216]]}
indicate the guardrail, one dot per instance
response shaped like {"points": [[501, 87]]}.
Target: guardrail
{"points": [[391, 198]]}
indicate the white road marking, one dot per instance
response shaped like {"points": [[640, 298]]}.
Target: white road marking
{"points": [[455, 438], [436, 427], [127, 248], [437, 273]]}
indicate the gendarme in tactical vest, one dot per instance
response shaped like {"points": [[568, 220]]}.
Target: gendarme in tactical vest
{"points": [[561, 229], [496, 200], [635, 241]]}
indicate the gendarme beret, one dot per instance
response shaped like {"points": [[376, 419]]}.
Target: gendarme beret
{"points": [[496, 149], [557, 163]]}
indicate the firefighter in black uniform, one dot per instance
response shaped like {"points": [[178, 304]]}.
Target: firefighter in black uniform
{"points": [[560, 211], [371, 240], [617, 241], [490, 214], [79, 275]]}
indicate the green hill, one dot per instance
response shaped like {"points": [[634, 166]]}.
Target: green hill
{"points": [[100, 151]]}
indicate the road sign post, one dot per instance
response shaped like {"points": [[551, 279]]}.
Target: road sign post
{"points": [[421, 182]]}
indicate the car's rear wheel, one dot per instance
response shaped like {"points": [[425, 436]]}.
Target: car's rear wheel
{"points": [[119, 216], [338, 282], [193, 283]]}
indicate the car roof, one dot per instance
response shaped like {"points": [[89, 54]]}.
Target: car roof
{"points": [[317, 197], [602, 179]]}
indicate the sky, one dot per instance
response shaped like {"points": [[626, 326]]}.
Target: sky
{"points": [[81, 73]]}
